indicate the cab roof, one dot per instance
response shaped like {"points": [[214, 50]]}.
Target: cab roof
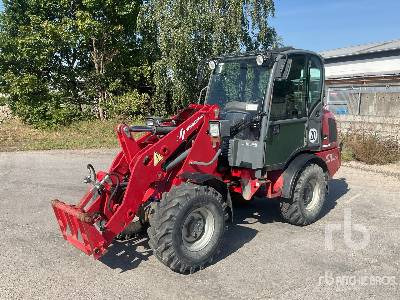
{"points": [[276, 52]]}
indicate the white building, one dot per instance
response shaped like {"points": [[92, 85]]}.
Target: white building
{"points": [[364, 80], [371, 63], [363, 87]]}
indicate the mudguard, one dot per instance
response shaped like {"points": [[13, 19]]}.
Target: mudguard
{"points": [[295, 167], [212, 181]]}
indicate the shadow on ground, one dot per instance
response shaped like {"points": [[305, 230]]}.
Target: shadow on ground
{"points": [[337, 189], [129, 254], [262, 210]]}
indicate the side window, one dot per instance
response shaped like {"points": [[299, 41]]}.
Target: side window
{"points": [[288, 99], [315, 88]]}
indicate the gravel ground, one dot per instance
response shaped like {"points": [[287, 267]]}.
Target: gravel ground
{"points": [[390, 169], [261, 257]]}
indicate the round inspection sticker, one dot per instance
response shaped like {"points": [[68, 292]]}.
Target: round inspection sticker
{"points": [[313, 135]]}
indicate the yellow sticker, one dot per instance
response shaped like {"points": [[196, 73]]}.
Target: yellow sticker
{"points": [[157, 158]]}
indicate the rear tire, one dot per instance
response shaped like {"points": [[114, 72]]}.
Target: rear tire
{"points": [[187, 226], [308, 197]]}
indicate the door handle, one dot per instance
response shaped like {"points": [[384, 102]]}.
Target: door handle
{"points": [[276, 129]]}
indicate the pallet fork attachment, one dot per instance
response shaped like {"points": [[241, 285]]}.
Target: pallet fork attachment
{"points": [[77, 227]]}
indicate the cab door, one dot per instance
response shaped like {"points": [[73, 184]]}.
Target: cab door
{"points": [[314, 102], [288, 115]]}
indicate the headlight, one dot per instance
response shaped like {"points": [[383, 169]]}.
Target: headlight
{"points": [[260, 60], [214, 129], [212, 65]]}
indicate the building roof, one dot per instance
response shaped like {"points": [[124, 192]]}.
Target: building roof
{"points": [[362, 49]]}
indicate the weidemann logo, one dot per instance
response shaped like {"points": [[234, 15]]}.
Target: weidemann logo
{"points": [[183, 132]]}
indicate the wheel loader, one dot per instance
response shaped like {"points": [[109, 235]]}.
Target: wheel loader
{"points": [[260, 128]]}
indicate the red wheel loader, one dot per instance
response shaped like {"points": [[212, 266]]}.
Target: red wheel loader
{"points": [[262, 128]]}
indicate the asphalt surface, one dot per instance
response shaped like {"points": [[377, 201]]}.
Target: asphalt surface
{"points": [[261, 257]]}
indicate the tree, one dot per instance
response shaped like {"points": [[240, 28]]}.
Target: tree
{"points": [[109, 28], [62, 59], [185, 32]]}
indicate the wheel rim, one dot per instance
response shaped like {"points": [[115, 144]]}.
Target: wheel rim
{"points": [[312, 192], [198, 229]]}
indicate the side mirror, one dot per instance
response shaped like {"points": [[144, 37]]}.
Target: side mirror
{"points": [[283, 69]]}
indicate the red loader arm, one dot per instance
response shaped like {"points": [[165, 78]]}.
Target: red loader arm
{"points": [[142, 171]]}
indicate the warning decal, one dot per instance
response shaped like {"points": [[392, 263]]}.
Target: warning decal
{"points": [[157, 158]]}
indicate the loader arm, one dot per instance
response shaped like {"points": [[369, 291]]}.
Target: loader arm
{"points": [[139, 173]]}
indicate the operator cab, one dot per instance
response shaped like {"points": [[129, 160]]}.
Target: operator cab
{"points": [[238, 86], [272, 103]]}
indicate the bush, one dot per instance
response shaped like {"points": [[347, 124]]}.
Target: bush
{"points": [[30, 99], [46, 114], [370, 148], [132, 105]]}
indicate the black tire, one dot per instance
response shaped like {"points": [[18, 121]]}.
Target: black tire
{"points": [[134, 229], [175, 231], [308, 197]]}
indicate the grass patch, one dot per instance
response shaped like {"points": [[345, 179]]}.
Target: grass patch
{"points": [[16, 136], [347, 153]]}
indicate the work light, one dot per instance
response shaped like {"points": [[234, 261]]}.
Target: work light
{"points": [[214, 129], [260, 60], [212, 65]]}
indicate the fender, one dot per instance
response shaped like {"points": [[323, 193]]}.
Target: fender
{"points": [[294, 168], [212, 181]]}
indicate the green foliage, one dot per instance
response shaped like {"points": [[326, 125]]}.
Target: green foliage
{"points": [[131, 106], [61, 59], [35, 104], [186, 32], [67, 60]]}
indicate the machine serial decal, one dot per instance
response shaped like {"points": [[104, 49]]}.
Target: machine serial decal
{"points": [[183, 132]]}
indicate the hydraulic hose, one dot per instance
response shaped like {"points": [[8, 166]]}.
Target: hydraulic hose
{"points": [[114, 191], [201, 163]]}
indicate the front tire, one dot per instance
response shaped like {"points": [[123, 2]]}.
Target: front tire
{"points": [[308, 197], [187, 226]]}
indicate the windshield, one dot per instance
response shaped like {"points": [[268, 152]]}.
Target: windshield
{"points": [[239, 81]]}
